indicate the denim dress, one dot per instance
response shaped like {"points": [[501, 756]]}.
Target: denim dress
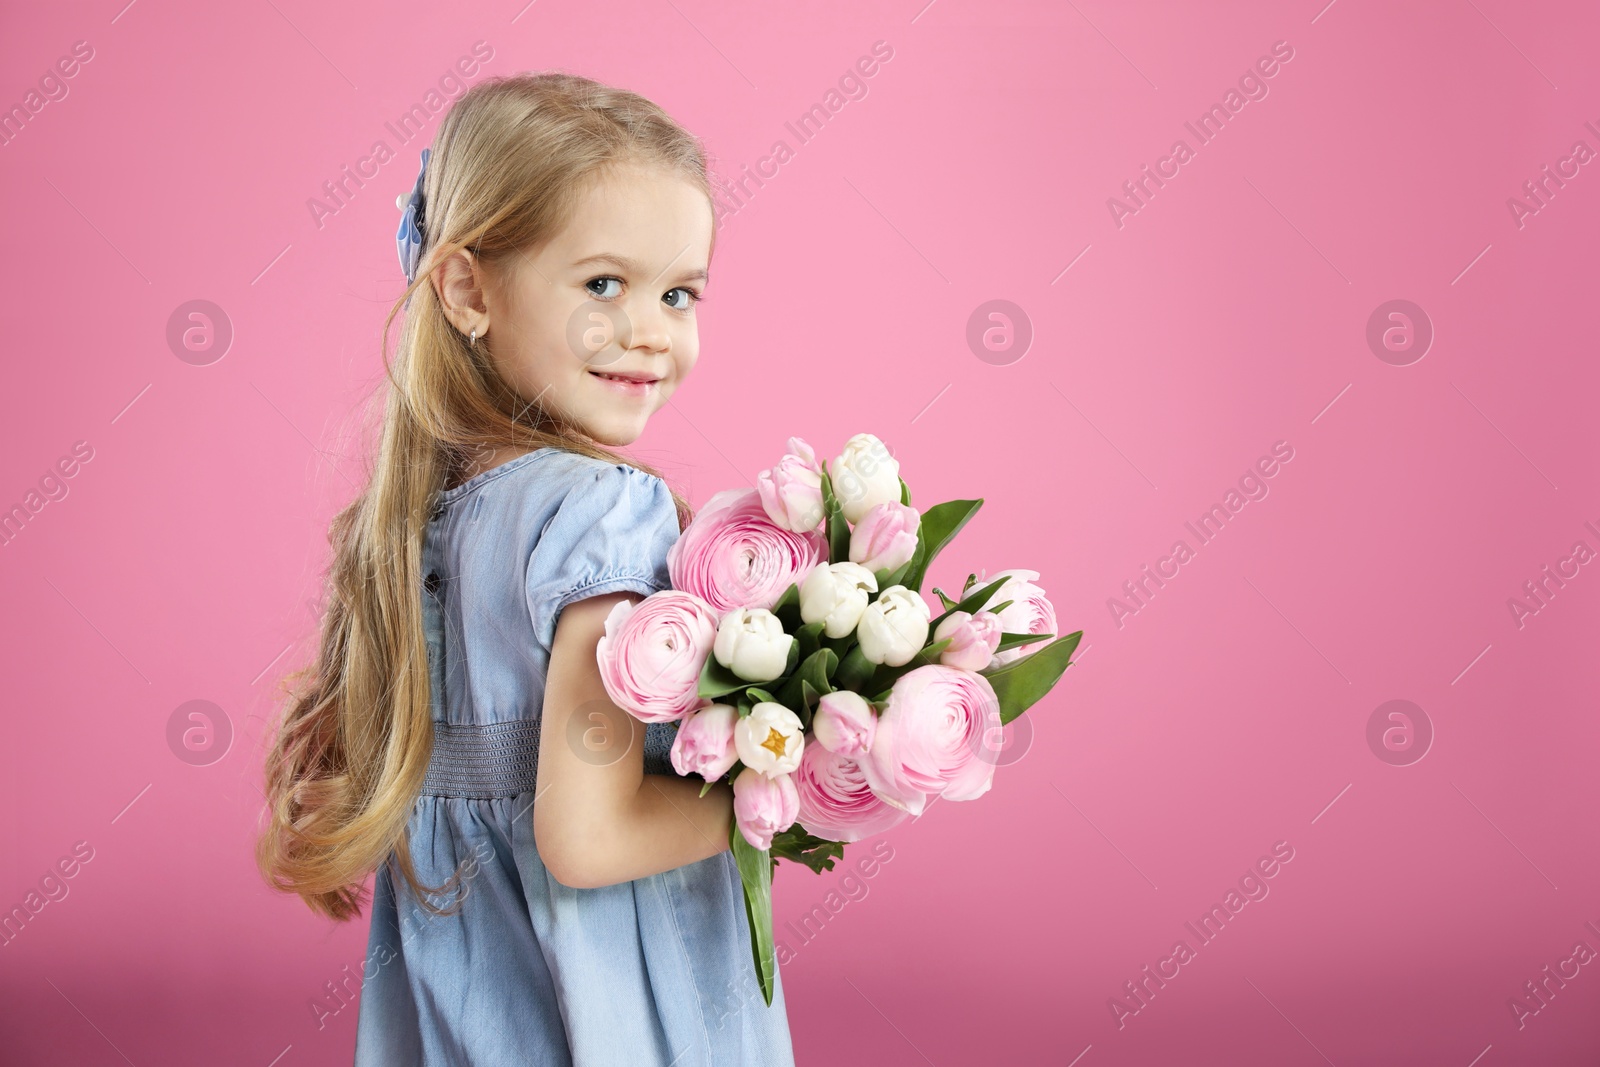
{"points": [[657, 970]]}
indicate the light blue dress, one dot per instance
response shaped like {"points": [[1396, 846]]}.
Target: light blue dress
{"points": [[653, 971]]}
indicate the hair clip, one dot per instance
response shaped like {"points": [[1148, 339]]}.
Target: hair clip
{"points": [[409, 238]]}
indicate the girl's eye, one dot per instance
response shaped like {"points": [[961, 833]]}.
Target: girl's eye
{"points": [[602, 282], [688, 298]]}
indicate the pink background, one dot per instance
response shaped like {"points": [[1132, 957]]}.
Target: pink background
{"points": [[1227, 314]]}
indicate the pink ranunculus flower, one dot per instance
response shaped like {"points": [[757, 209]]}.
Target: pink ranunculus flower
{"points": [[844, 723], [704, 744], [652, 652], [930, 738], [885, 537], [732, 556], [763, 805], [1029, 613], [791, 492], [836, 803], [973, 639]]}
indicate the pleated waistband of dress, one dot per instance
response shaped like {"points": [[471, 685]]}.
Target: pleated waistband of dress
{"points": [[484, 761]]}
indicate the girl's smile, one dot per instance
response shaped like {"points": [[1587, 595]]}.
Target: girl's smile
{"points": [[635, 385]]}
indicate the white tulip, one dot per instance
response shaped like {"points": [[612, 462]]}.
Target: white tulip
{"points": [[770, 739], [751, 643], [864, 476], [835, 594], [894, 627]]}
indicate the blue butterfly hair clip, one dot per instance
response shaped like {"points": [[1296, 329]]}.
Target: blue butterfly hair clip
{"points": [[409, 239]]}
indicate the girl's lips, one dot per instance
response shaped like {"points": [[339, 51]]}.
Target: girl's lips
{"points": [[627, 385]]}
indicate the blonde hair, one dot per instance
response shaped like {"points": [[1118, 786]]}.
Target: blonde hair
{"points": [[353, 745]]}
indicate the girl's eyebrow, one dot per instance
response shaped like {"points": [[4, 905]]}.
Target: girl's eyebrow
{"points": [[629, 265]]}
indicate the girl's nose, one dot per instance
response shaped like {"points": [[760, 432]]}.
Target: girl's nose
{"points": [[647, 325]]}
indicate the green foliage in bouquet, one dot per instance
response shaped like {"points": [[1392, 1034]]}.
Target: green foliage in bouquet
{"points": [[755, 872], [1020, 683], [801, 846]]}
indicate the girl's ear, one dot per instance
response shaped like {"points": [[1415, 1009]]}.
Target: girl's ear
{"points": [[458, 281]]}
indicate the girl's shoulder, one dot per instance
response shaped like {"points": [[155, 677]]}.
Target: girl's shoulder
{"points": [[558, 509], [548, 476]]}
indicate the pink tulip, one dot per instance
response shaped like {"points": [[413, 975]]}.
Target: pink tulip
{"points": [[836, 803], [704, 744], [930, 737], [1030, 613], [732, 556], [764, 806], [652, 652], [973, 639], [885, 537], [844, 723], [791, 492]]}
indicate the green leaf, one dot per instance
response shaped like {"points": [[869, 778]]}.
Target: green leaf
{"points": [[760, 696], [917, 564], [818, 668], [813, 674], [949, 605], [805, 704], [905, 493], [884, 677], [841, 645], [809, 638], [853, 670], [717, 681], [792, 697], [1013, 640], [971, 604], [998, 608], [1020, 683], [755, 873], [787, 609], [887, 577], [938, 528], [799, 845], [707, 787], [838, 528]]}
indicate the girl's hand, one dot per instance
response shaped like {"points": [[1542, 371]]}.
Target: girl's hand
{"points": [[598, 819]]}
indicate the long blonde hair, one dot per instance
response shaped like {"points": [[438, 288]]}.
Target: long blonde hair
{"points": [[353, 744]]}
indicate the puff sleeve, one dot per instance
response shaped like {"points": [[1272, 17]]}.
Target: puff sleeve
{"points": [[610, 533]]}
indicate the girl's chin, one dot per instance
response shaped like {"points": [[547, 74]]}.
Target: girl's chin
{"points": [[615, 431]]}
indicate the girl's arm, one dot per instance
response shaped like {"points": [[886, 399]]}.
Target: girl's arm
{"points": [[598, 819]]}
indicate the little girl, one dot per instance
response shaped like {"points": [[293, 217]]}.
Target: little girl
{"points": [[453, 734]]}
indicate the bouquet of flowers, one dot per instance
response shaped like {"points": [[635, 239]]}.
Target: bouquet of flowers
{"points": [[800, 661]]}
